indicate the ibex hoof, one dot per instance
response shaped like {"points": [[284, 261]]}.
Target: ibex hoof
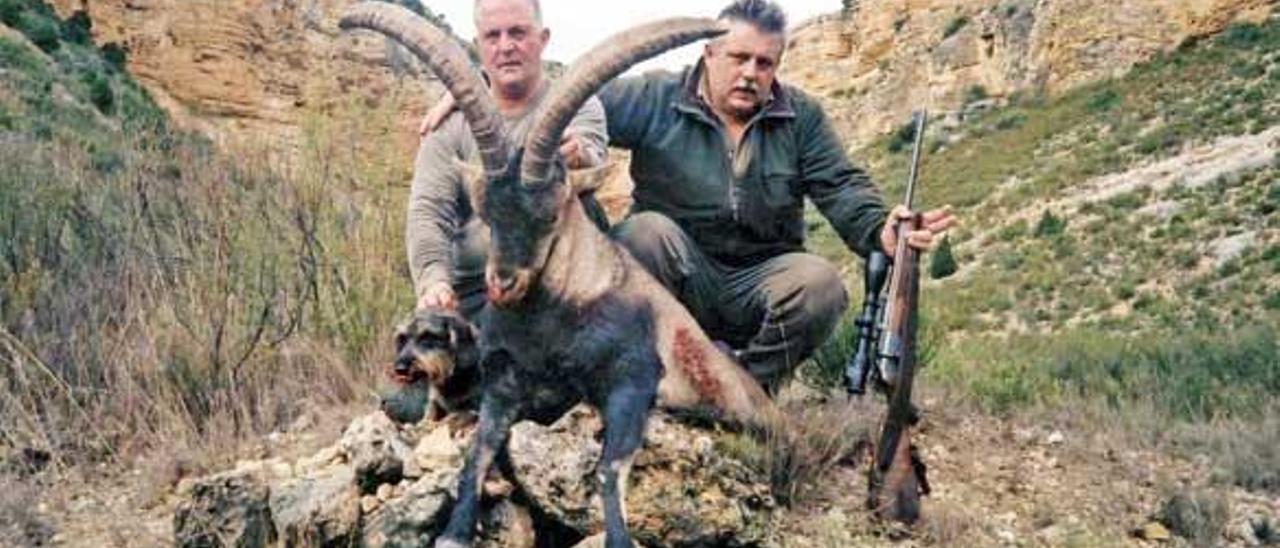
{"points": [[451, 543]]}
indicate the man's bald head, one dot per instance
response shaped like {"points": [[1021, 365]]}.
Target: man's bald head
{"points": [[534, 5]]}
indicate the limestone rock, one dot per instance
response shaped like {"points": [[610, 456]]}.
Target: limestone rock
{"points": [[319, 510], [251, 72], [873, 66], [412, 519], [228, 509], [680, 494], [376, 451]]}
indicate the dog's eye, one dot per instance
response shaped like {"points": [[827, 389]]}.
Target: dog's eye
{"points": [[428, 338], [401, 338]]}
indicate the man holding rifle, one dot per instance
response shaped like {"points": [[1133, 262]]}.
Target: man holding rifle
{"points": [[723, 156]]}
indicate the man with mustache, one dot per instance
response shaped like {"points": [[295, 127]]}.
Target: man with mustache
{"points": [[723, 156], [445, 240]]}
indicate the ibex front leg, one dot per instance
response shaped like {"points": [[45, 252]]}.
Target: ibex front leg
{"points": [[497, 413], [625, 411]]}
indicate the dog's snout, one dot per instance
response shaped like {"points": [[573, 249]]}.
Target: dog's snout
{"points": [[404, 365]]}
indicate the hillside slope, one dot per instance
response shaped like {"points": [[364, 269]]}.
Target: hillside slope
{"points": [[877, 60]]}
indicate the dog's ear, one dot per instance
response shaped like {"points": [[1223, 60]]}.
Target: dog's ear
{"points": [[461, 332]]}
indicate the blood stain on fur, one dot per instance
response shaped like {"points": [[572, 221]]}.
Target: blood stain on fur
{"points": [[692, 358]]}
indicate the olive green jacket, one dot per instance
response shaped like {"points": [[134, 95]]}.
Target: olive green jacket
{"points": [[741, 204]]}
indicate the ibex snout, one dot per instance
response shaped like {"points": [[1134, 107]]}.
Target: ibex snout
{"points": [[505, 285]]}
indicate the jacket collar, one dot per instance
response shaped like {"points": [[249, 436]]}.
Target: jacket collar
{"points": [[690, 101]]}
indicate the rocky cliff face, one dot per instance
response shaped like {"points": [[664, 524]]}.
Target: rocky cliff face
{"points": [[875, 63], [253, 70]]}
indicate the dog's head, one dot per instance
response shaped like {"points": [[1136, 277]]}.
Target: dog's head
{"points": [[432, 345]]}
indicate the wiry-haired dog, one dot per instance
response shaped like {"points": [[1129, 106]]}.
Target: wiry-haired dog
{"points": [[436, 365]]}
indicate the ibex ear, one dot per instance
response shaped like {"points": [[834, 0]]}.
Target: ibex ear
{"points": [[473, 180], [583, 181]]}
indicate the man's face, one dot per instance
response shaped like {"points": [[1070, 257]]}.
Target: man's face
{"points": [[510, 41], [740, 68]]}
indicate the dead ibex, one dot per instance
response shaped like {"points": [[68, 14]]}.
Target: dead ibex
{"points": [[574, 317]]}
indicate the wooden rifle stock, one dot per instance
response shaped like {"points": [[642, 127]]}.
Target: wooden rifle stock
{"points": [[897, 475]]}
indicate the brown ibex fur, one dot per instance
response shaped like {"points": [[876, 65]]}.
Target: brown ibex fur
{"points": [[573, 316]]}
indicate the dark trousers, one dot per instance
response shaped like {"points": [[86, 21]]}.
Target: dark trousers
{"points": [[777, 311]]}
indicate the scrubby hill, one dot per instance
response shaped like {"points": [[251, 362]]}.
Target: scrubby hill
{"points": [[165, 301], [1119, 258]]}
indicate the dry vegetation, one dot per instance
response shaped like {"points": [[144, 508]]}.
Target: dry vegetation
{"points": [[158, 294]]}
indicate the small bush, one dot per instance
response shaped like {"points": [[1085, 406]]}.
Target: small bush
{"points": [[954, 26], [975, 93], [1012, 120], [101, 94], [1127, 202], [1050, 225], [1013, 231], [943, 263], [1198, 517], [115, 56], [1103, 100], [1241, 36], [903, 138], [78, 29], [42, 31]]}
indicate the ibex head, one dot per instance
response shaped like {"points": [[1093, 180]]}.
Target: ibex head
{"points": [[522, 193]]}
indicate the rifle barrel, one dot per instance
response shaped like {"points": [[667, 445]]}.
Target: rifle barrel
{"points": [[920, 116]]}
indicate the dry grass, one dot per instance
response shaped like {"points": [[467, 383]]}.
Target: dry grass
{"points": [[189, 300], [822, 436]]}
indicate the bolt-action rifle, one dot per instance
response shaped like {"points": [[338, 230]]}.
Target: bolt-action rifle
{"points": [[886, 352]]}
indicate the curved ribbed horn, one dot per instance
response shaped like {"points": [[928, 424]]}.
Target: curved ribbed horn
{"points": [[447, 60], [615, 55]]}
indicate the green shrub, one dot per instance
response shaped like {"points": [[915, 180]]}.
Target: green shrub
{"points": [[1012, 120], [1050, 225], [1012, 231], [100, 93], [42, 31], [115, 56], [1241, 36], [954, 26], [942, 264], [975, 93], [1103, 100], [9, 12], [78, 29], [903, 138]]}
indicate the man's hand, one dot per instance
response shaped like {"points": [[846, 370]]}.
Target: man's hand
{"points": [[572, 152], [438, 295], [933, 223], [436, 114]]}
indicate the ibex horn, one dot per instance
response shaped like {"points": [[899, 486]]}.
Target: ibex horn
{"points": [[447, 60], [615, 55]]}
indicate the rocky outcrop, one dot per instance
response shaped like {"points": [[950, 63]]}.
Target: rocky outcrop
{"points": [[252, 71], [385, 486], [873, 65]]}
